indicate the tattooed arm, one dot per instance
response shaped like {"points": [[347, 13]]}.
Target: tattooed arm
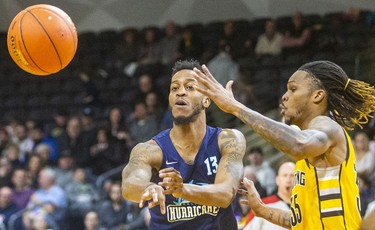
{"points": [[232, 145], [315, 140], [136, 176], [274, 215]]}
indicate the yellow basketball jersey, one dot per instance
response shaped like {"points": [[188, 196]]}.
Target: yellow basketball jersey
{"points": [[326, 198]]}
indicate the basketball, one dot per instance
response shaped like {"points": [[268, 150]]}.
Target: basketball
{"points": [[42, 39]]}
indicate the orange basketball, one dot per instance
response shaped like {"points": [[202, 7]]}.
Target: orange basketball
{"points": [[42, 39]]}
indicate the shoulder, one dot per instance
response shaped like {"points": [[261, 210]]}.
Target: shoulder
{"points": [[232, 140], [146, 152], [327, 125]]}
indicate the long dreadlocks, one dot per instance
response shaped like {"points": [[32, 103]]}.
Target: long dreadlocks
{"points": [[350, 102]]}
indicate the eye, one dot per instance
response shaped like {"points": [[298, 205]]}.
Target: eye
{"points": [[190, 87], [293, 89], [174, 88]]}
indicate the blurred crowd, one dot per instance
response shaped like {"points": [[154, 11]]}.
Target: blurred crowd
{"points": [[56, 169]]}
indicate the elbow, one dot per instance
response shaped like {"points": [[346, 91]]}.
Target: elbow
{"points": [[228, 198], [125, 191]]}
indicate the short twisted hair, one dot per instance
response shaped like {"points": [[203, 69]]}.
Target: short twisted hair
{"points": [[186, 64], [350, 102]]}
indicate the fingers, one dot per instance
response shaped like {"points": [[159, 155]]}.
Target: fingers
{"points": [[208, 73], [244, 202], [248, 184]]}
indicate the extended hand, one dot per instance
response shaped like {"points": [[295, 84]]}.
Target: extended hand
{"points": [[154, 194], [172, 182], [253, 198], [209, 86]]}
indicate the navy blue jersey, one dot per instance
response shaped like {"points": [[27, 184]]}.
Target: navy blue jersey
{"points": [[180, 213]]}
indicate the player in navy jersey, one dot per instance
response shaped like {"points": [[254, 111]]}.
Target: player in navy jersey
{"points": [[187, 175]]}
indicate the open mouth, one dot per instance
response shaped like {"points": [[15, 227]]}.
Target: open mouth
{"points": [[181, 102]]}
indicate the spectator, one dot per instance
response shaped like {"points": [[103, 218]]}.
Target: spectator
{"points": [[90, 94], [298, 35], [22, 190], [232, 39], [145, 85], [89, 128], [114, 211], [281, 199], [6, 169], [155, 105], [65, 169], [73, 140], [264, 173], [222, 66], [106, 153], [44, 151], [82, 197], [269, 43], [129, 49], [150, 50], [92, 221], [48, 198], [7, 206], [169, 44], [116, 126], [135, 219], [365, 164], [364, 185], [190, 46], [38, 136], [5, 139], [143, 126], [58, 125], [23, 141], [12, 153], [33, 167]]}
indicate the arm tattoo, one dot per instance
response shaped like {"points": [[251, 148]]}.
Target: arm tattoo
{"points": [[234, 155], [272, 131]]}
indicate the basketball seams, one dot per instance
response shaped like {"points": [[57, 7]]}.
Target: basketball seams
{"points": [[24, 45], [47, 34], [64, 20]]}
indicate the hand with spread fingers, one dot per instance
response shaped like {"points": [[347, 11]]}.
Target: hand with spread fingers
{"points": [[209, 86], [253, 199], [172, 182], [155, 196]]}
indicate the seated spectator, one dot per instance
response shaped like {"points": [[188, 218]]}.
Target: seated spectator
{"points": [[155, 105], [135, 219], [264, 173], [48, 198], [23, 141], [231, 37], [82, 197], [365, 164], [364, 185], [44, 151], [5, 139], [128, 50], [169, 44], [73, 140], [6, 169], [107, 153], [150, 49], [7, 206], [38, 136], [298, 35], [21, 188], [270, 42], [114, 211], [92, 221], [143, 126], [281, 200], [65, 168], [12, 153], [190, 46], [33, 167], [58, 125]]}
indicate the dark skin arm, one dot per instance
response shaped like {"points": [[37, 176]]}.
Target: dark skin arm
{"points": [[229, 172], [312, 142], [274, 215], [136, 176]]}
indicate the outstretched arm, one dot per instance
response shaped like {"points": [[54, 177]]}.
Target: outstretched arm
{"points": [[274, 215], [296, 143], [232, 145], [136, 176]]}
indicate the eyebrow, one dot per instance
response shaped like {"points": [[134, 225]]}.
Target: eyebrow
{"points": [[186, 80]]}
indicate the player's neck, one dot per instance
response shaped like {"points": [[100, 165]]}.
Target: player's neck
{"points": [[188, 137]]}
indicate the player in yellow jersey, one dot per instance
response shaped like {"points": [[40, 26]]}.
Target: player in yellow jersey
{"points": [[322, 101]]}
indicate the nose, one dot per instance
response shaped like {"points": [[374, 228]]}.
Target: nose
{"points": [[181, 92], [284, 97]]}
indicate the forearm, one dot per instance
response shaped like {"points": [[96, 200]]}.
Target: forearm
{"points": [[282, 136], [132, 189], [210, 195], [276, 216]]}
